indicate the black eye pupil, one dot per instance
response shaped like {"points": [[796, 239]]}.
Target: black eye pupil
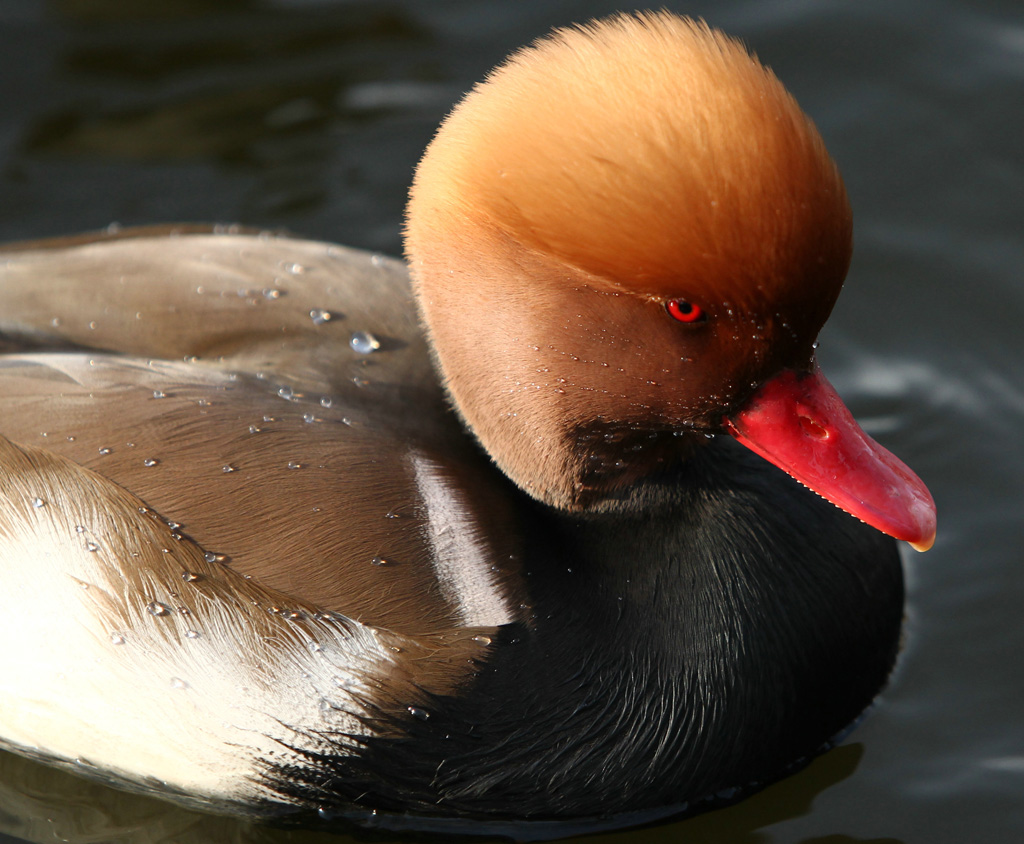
{"points": [[685, 311]]}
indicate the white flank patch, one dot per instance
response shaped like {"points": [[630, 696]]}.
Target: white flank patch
{"points": [[194, 685]]}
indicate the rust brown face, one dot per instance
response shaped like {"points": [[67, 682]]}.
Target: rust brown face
{"points": [[677, 361]]}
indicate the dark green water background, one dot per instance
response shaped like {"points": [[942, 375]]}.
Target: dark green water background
{"points": [[310, 116]]}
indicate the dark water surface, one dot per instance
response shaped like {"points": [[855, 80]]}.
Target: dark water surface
{"points": [[311, 115]]}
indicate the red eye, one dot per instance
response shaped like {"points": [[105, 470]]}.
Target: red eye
{"points": [[685, 311]]}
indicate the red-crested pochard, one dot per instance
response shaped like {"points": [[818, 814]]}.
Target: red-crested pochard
{"points": [[272, 545]]}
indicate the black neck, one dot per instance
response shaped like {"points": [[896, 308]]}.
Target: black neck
{"points": [[723, 620]]}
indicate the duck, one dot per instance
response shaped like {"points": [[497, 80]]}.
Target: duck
{"points": [[555, 526]]}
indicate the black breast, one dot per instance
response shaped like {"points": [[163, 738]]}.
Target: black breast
{"points": [[701, 637]]}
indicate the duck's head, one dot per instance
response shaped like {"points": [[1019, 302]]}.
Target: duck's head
{"points": [[628, 237]]}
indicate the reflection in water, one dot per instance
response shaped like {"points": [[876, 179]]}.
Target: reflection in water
{"points": [[43, 803], [741, 824]]}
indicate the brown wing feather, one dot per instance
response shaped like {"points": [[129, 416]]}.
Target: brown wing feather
{"points": [[261, 431]]}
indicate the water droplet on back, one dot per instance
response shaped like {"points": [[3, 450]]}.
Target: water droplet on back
{"points": [[150, 462], [320, 316], [364, 342], [211, 557], [38, 502], [156, 608]]}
